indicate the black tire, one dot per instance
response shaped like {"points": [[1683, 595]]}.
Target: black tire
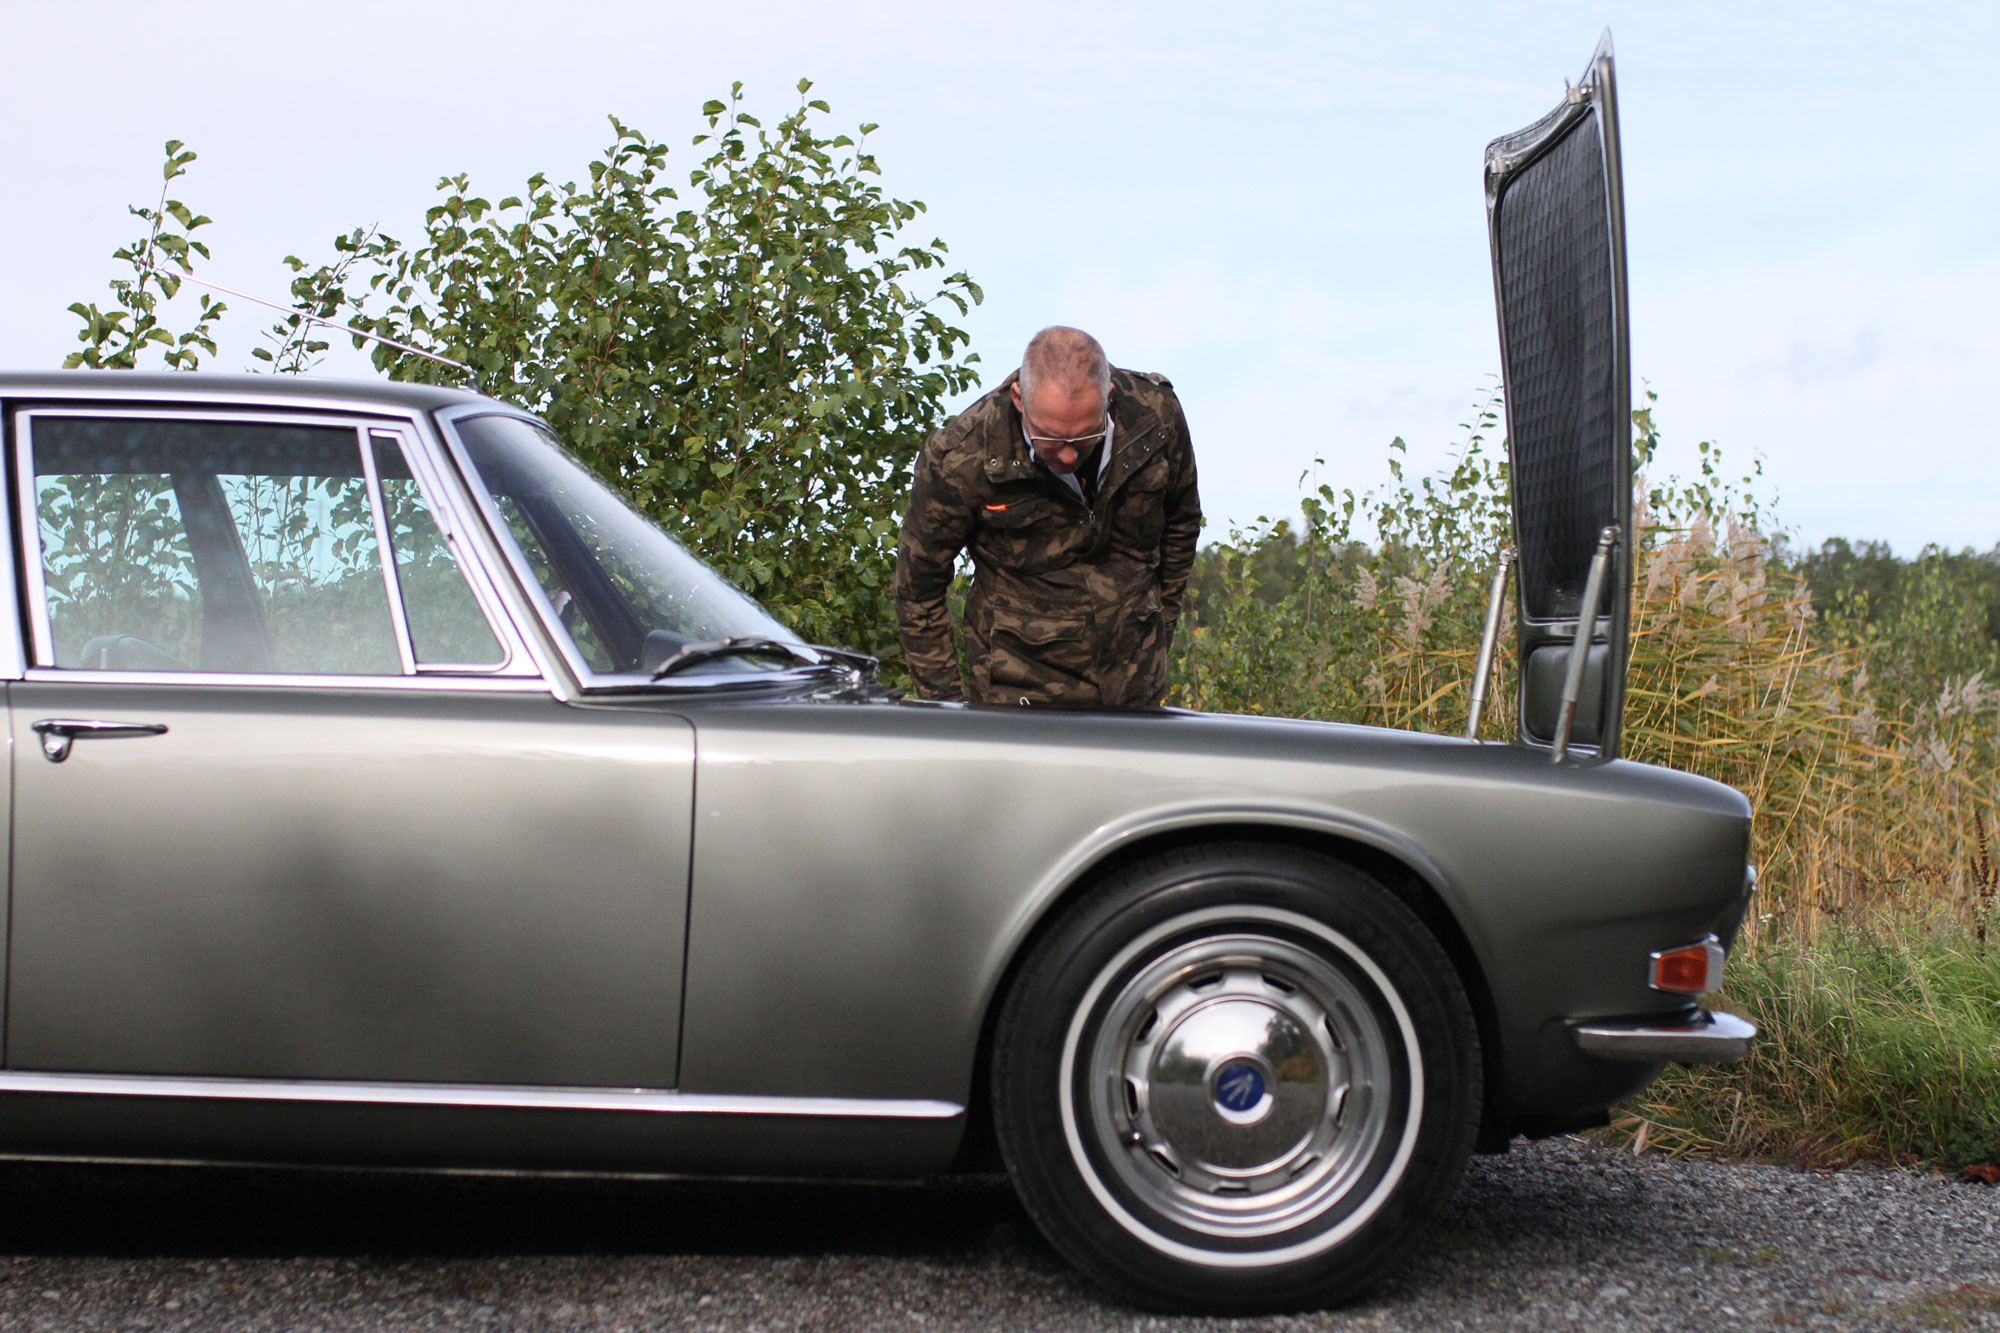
{"points": [[1236, 1079]]}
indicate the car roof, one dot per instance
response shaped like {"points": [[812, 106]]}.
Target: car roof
{"points": [[217, 387]]}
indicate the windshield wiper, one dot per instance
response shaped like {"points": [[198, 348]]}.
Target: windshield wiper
{"points": [[748, 645], [848, 657], [755, 645]]}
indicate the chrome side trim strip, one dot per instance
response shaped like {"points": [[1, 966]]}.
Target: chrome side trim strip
{"points": [[472, 1094], [1712, 1039], [278, 681]]}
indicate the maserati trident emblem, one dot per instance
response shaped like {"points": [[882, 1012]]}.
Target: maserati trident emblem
{"points": [[1239, 1087]]}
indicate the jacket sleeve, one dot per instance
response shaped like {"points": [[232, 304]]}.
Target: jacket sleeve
{"points": [[936, 527], [1183, 528]]}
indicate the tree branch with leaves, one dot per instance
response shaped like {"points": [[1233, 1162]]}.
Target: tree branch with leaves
{"points": [[114, 339], [756, 365]]}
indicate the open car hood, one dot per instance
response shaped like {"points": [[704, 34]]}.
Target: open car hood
{"points": [[1556, 215]]}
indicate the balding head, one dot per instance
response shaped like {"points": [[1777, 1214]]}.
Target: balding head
{"points": [[1067, 360], [1063, 396]]}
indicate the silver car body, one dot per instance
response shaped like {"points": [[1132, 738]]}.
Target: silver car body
{"points": [[523, 917]]}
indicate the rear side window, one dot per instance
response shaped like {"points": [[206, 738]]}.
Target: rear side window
{"points": [[116, 564], [199, 545]]}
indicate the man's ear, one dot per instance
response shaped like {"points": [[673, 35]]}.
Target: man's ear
{"points": [[1015, 389]]}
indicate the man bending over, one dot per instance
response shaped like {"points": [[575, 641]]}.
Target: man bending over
{"points": [[1073, 484]]}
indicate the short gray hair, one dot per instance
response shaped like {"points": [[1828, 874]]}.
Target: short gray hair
{"points": [[1068, 356]]}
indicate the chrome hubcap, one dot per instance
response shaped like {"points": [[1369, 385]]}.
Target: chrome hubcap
{"points": [[1239, 1084]]}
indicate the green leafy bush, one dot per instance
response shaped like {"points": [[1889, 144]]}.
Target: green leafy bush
{"points": [[757, 368]]}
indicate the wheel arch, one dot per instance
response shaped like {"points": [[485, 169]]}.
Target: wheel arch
{"points": [[1402, 870]]}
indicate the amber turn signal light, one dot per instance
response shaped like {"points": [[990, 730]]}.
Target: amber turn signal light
{"points": [[1692, 969]]}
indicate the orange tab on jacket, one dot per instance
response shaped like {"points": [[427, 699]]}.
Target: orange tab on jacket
{"points": [[996, 506]]}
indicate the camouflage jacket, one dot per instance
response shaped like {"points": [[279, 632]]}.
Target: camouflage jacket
{"points": [[1071, 604]]}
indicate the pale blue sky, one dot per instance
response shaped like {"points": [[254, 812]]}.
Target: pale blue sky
{"points": [[1277, 205]]}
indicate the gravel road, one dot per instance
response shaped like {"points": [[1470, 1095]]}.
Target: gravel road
{"points": [[1562, 1234]]}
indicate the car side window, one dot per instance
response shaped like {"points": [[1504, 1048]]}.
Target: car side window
{"points": [[237, 546], [117, 572], [447, 628], [316, 569]]}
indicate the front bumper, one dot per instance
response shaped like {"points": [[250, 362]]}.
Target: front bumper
{"points": [[1710, 1039]]}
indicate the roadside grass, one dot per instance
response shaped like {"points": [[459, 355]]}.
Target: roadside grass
{"points": [[1879, 1040], [1871, 961]]}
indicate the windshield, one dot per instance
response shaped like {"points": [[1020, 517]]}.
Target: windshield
{"points": [[628, 595]]}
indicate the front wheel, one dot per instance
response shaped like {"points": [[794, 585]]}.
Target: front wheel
{"points": [[1236, 1079]]}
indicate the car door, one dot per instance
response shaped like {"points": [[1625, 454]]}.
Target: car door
{"points": [[1555, 207], [291, 800]]}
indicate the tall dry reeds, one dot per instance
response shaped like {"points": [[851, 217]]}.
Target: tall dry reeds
{"points": [[1871, 958], [1860, 805]]}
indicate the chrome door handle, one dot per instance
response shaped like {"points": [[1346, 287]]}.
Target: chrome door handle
{"points": [[58, 732]]}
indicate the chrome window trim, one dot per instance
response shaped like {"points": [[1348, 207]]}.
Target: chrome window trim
{"points": [[385, 554], [13, 647], [496, 526], [70, 391], [518, 665], [294, 681], [476, 517], [28, 544], [588, 680], [443, 511], [648, 1100]]}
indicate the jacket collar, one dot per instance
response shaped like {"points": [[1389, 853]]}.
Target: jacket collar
{"points": [[1139, 436], [1135, 439]]}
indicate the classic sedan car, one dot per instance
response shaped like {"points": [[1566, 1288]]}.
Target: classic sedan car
{"points": [[385, 791]]}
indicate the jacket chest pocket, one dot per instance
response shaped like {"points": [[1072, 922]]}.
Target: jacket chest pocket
{"points": [[1139, 515], [1027, 535], [1014, 514]]}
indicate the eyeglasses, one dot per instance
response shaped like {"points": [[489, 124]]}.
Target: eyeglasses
{"points": [[1083, 443]]}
